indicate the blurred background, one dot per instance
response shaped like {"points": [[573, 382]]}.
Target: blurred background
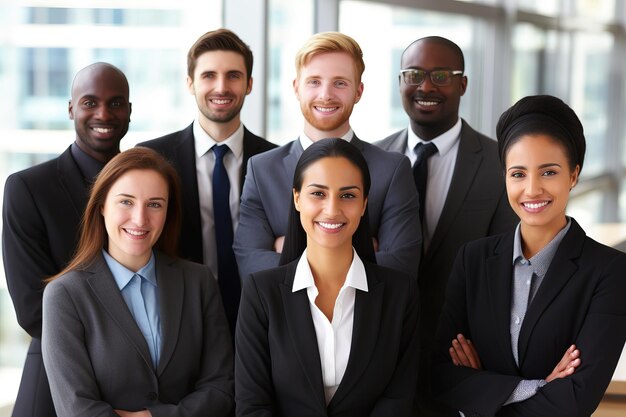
{"points": [[574, 49]]}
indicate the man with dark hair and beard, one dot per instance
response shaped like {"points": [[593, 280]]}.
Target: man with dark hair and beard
{"points": [[211, 156], [328, 85]]}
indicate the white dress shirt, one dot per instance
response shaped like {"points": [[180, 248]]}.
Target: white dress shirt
{"points": [[205, 161], [305, 141], [334, 339], [440, 170]]}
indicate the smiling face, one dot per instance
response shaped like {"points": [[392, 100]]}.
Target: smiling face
{"points": [[432, 109], [100, 110], [220, 86], [134, 214], [538, 182], [331, 203], [328, 88]]}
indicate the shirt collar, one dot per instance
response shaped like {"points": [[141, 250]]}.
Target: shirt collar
{"points": [[305, 141], [542, 259], [123, 275], [444, 142], [356, 277], [89, 166], [203, 142]]}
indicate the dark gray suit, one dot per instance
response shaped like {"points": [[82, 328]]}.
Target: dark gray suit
{"points": [[476, 206], [97, 358], [42, 210], [267, 197]]}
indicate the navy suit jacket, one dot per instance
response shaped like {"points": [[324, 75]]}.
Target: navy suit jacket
{"points": [[267, 197], [277, 362], [179, 149], [42, 209], [98, 359], [580, 301]]}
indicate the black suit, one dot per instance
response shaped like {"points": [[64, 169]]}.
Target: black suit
{"points": [[42, 210], [580, 301], [277, 362], [476, 206], [179, 148]]}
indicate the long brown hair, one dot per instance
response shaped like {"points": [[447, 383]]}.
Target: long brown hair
{"points": [[93, 235]]}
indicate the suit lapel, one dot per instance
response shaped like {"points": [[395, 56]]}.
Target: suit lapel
{"points": [[468, 162], [367, 313], [171, 293], [72, 180], [500, 274], [302, 331], [250, 148], [399, 142], [103, 285], [559, 273], [291, 159]]}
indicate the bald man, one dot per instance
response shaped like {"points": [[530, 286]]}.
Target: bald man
{"points": [[42, 210]]}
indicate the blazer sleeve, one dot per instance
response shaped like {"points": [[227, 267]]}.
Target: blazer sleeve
{"points": [[400, 231], [26, 253], [397, 400], [213, 391], [73, 384], [462, 388], [254, 393], [600, 340], [254, 239]]}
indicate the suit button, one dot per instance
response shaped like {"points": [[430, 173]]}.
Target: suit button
{"points": [[152, 396]]}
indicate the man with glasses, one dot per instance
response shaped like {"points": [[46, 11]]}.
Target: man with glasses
{"points": [[457, 174]]}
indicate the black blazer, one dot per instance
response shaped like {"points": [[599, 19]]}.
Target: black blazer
{"points": [[580, 301], [179, 149], [41, 214], [277, 363]]}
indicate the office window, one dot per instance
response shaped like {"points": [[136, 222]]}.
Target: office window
{"points": [[595, 9], [547, 7]]}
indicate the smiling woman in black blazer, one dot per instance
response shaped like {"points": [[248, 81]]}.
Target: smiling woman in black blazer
{"points": [[534, 321], [329, 333]]}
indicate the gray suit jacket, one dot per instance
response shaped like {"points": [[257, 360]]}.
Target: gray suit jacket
{"points": [[97, 359], [267, 196], [476, 206]]}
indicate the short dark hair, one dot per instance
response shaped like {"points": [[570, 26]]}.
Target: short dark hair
{"points": [[219, 40], [542, 114], [295, 238], [447, 43]]}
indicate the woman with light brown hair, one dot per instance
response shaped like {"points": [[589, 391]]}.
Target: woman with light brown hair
{"points": [[128, 329]]}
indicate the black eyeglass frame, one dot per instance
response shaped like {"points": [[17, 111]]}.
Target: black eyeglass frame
{"points": [[451, 73]]}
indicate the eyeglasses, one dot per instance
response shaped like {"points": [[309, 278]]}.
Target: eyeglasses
{"points": [[440, 78]]}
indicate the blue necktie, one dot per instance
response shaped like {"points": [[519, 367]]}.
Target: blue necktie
{"points": [[227, 273], [420, 172], [139, 311]]}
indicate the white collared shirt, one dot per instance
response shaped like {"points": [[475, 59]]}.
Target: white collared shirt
{"points": [[305, 141], [334, 339], [440, 170], [205, 162]]}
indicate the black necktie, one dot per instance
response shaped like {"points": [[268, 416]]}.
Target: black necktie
{"points": [[420, 172], [227, 273]]}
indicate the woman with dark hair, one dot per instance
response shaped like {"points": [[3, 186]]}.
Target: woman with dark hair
{"points": [[536, 317], [329, 332], [128, 330]]}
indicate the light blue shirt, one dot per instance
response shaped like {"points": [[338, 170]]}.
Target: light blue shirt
{"points": [[139, 291]]}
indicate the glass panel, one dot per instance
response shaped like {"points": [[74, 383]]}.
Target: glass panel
{"points": [[598, 9], [589, 89], [549, 7], [587, 209], [290, 25], [402, 26]]}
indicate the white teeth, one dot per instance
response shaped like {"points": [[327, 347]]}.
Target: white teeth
{"points": [[326, 109], [135, 232], [216, 101], [330, 225], [536, 205], [427, 103], [102, 129]]}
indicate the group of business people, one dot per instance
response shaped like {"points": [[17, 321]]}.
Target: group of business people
{"points": [[343, 249]]}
